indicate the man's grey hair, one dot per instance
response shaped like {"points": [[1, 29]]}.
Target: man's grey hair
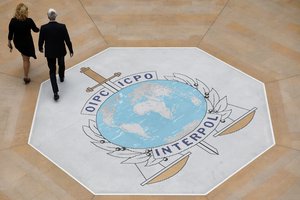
{"points": [[52, 14]]}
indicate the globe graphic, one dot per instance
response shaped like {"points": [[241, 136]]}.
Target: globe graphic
{"points": [[150, 114]]}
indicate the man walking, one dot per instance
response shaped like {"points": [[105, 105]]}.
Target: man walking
{"points": [[55, 36]]}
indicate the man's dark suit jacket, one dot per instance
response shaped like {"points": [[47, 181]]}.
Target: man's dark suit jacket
{"points": [[55, 35]]}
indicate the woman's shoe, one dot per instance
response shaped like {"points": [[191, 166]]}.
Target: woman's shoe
{"points": [[26, 80]]}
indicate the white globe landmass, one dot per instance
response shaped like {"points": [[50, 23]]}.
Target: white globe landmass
{"points": [[153, 106]]}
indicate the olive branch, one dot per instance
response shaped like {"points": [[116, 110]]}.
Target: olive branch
{"points": [[131, 156]]}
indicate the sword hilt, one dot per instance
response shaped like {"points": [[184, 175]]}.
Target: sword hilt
{"points": [[96, 77]]}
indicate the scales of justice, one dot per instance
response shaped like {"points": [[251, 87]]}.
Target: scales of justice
{"points": [[172, 165]]}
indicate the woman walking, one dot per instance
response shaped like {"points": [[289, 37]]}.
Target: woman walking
{"points": [[20, 27]]}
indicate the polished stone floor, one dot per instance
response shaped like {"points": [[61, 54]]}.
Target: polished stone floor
{"points": [[260, 38]]}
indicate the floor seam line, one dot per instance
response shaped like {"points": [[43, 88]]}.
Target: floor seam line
{"points": [[291, 148], [212, 23], [94, 23], [283, 79]]}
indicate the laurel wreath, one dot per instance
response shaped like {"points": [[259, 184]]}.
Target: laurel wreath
{"points": [[215, 105], [131, 156]]}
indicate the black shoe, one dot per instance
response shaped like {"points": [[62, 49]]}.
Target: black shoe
{"points": [[56, 97], [26, 80], [62, 79]]}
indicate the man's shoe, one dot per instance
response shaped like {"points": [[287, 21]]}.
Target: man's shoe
{"points": [[62, 79], [56, 97]]}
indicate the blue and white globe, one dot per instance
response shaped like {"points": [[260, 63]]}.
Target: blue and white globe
{"points": [[151, 114]]}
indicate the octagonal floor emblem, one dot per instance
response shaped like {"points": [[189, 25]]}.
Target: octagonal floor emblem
{"points": [[152, 121]]}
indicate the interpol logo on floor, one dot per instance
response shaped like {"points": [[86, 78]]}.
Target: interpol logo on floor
{"points": [[148, 121]]}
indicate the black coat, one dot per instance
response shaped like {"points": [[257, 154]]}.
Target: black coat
{"points": [[55, 35], [20, 33]]}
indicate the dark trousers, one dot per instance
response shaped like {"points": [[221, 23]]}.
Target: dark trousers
{"points": [[52, 71]]}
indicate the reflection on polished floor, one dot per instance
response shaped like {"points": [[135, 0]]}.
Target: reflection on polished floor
{"points": [[260, 38]]}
